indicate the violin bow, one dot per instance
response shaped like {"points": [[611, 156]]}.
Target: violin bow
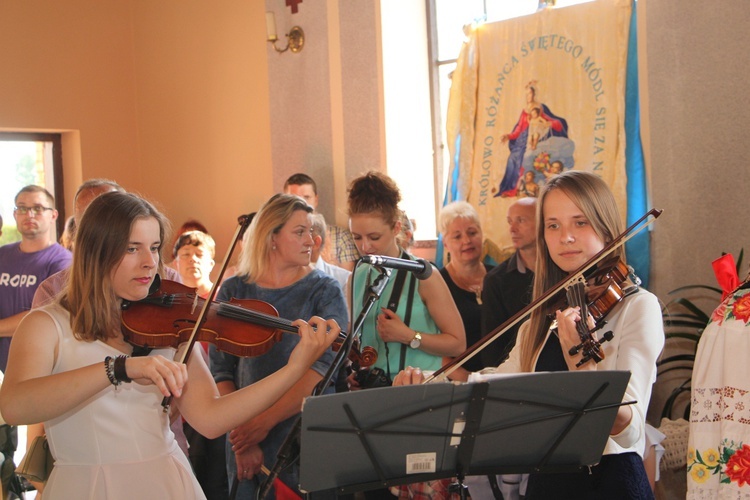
{"points": [[445, 371], [243, 221]]}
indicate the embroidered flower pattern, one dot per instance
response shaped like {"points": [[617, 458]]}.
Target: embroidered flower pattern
{"points": [[741, 308], [735, 306], [718, 315], [731, 461], [738, 466]]}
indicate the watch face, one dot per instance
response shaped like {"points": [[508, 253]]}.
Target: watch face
{"points": [[416, 341]]}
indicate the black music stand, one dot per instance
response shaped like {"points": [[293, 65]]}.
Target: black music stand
{"points": [[539, 422]]}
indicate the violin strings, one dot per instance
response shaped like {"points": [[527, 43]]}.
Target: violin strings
{"points": [[226, 309], [577, 297], [236, 311]]}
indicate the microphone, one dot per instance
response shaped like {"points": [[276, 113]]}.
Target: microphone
{"points": [[420, 267]]}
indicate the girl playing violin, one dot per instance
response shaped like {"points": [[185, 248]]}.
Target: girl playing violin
{"points": [[576, 218], [70, 367]]}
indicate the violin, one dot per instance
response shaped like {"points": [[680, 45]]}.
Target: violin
{"points": [[613, 272], [602, 290], [185, 326], [240, 327], [610, 282]]}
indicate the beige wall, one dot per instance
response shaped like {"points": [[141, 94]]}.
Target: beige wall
{"points": [[327, 99], [68, 66], [168, 98], [697, 84], [203, 110]]}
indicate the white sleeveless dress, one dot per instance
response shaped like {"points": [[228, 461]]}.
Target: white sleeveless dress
{"points": [[116, 445]]}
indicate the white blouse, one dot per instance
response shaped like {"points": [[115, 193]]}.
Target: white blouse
{"points": [[638, 340]]}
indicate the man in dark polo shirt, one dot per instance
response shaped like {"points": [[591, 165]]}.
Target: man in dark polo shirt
{"points": [[507, 288]]}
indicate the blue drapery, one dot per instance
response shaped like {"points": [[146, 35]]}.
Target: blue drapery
{"points": [[638, 248]]}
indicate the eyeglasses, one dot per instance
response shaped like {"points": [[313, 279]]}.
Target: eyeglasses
{"points": [[36, 210]]}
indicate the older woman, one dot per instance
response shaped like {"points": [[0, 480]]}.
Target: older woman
{"points": [[275, 267], [464, 273]]}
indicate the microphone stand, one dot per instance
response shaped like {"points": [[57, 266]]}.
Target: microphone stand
{"points": [[289, 451]]}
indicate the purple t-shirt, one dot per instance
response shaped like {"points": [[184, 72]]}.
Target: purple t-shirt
{"points": [[20, 275]]}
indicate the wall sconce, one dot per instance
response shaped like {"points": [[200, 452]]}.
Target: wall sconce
{"points": [[295, 37]]}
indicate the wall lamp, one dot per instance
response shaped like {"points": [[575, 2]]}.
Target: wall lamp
{"points": [[295, 37]]}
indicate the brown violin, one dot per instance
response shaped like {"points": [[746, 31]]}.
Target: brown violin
{"points": [[603, 289], [177, 315], [241, 327]]}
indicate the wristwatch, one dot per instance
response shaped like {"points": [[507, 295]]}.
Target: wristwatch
{"points": [[416, 341]]}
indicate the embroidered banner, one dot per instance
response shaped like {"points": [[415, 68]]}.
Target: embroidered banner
{"points": [[534, 96]]}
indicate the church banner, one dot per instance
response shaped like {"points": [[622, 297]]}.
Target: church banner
{"points": [[534, 96]]}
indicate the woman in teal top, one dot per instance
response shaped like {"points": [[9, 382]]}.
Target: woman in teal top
{"points": [[434, 329]]}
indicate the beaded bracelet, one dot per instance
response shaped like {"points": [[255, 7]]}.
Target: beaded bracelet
{"points": [[109, 367], [121, 374]]}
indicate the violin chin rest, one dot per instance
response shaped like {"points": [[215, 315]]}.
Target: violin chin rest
{"points": [[155, 285]]}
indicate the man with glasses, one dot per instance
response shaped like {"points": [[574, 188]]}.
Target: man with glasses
{"points": [[25, 264]]}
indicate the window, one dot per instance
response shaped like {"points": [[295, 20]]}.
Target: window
{"points": [[29, 158]]}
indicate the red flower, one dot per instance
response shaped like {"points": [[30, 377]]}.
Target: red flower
{"points": [[738, 466], [741, 308]]}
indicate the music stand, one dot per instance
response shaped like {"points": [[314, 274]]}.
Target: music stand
{"points": [[538, 422]]}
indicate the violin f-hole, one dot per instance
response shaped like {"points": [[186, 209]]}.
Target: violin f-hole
{"points": [[188, 322]]}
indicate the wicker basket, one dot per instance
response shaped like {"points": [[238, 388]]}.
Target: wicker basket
{"points": [[675, 444]]}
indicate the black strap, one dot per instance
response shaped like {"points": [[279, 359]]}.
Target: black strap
{"points": [[407, 317], [398, 287]]}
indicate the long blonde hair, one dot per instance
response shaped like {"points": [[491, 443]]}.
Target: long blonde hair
{"points": [[256, 248], [592, 195], [100, 244]]}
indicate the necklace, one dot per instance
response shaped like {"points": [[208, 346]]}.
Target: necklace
{"points": [[471, 284]]}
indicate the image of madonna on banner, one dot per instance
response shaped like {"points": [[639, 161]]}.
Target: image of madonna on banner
{"points": [[538, 135]]}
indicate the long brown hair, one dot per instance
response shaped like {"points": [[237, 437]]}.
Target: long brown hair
{"points": [[592, 195], [101, 242]]}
